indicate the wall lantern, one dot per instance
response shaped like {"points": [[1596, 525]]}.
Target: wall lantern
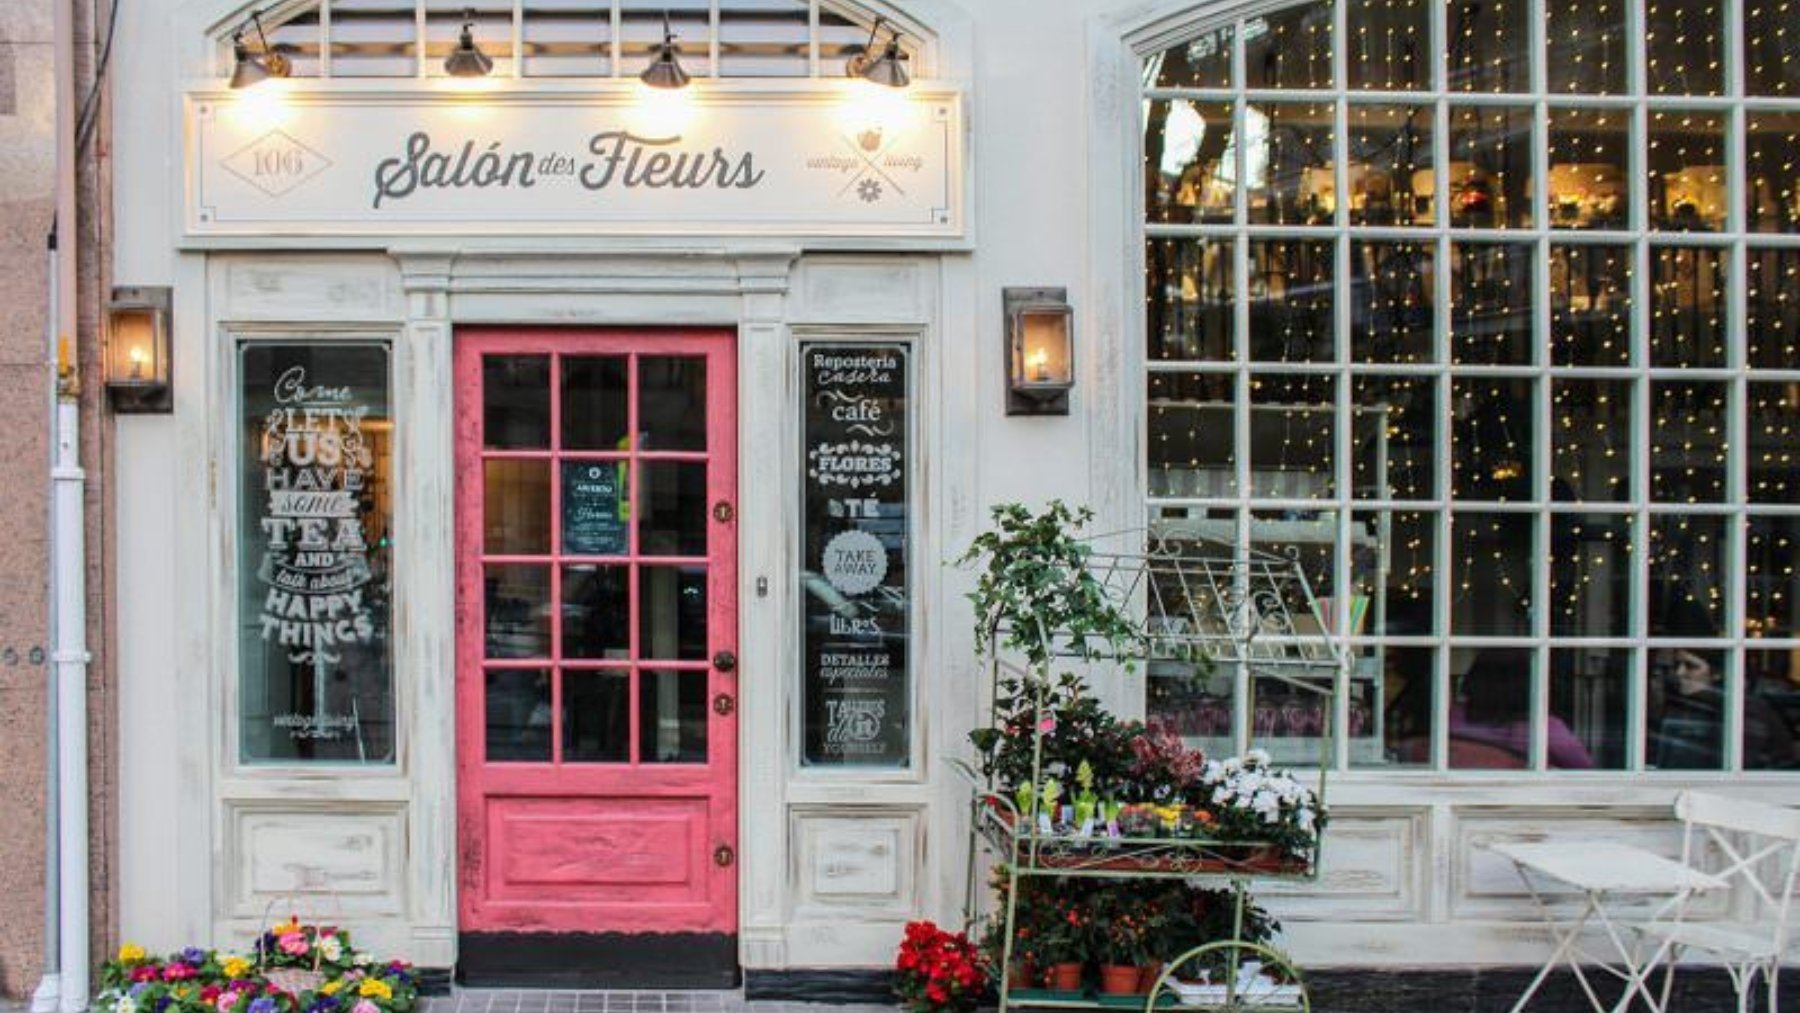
{"points": [[137, 351], [1040, 351]]}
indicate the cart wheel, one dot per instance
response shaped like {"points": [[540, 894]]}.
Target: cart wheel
{"points": [[1273, 984]]}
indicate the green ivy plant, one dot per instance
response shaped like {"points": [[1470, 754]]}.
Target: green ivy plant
{"points": [[1035, 587]]}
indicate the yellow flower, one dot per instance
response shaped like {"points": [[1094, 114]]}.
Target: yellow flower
{"points": [[235, 967], [375, 988], [291, 925], [331, 987], [131, 953]]}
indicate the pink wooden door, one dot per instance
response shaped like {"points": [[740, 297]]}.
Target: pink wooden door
{"points": [[596, 638]]}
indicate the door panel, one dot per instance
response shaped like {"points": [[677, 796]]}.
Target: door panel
{"points": [[595, 585]]}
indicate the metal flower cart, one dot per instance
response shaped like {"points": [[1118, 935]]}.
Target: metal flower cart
{"points": [[1244, 620]]}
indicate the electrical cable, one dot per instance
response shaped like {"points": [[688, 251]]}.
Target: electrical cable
{"points": [[85, 122]]}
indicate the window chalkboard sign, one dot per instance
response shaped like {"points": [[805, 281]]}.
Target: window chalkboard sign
{"points": [[856, 583], [593, 508]]}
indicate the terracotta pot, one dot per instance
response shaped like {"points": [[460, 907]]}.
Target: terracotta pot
{"points": [[1022, 975], [1065, 977], [1147, 975], [1118, 979]]}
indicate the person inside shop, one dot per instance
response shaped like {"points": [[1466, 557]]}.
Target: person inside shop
{"points": [[1490, 718], [1686, 715]]}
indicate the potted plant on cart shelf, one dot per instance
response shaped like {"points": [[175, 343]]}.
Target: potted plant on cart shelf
{"points": [[1277, 818]]}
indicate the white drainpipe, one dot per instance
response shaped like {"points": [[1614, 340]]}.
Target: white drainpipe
{"points": [[69, 655], [47, 998]]}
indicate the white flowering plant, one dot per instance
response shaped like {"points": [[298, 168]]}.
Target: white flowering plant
{"points": [[1251, 800]]}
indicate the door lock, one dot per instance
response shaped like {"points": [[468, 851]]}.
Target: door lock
{"points": [[723, 705], [723, 856], [724, 661]]}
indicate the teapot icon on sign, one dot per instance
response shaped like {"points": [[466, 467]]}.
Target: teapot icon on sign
{"points": [[870, 140]]}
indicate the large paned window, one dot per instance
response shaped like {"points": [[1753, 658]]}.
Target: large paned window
{"points": [[1488, 313]]}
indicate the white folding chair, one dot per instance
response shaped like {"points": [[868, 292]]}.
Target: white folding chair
{"points": [[1759, 853]]}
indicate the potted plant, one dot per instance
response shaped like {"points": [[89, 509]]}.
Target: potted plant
{"points": [[936, 971], [1251, 801]]}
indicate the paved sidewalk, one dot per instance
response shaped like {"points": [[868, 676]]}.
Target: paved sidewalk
{"points": [[621, 1001]]}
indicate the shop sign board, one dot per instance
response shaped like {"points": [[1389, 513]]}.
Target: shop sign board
{"points": [[857, 615], [821, 158]]}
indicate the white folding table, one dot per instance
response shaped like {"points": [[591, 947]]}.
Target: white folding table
{"points": [[1604, 872]]}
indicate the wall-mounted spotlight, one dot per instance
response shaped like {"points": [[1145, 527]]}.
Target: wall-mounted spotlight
{"points": [[665, 70], [889, 68], [1040, 351], [467, 59], [255, 68]]}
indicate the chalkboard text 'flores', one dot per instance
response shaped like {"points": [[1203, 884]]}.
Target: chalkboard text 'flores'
{"points": [[621, 158]]}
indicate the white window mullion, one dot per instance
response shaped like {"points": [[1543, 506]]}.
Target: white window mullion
{"points": [[325, 39]]}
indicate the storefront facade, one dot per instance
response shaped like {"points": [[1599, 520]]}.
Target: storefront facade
{"points": [[542, 569]]}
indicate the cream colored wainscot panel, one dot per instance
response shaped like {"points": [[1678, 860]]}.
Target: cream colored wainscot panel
{"points": [[332, 862], [854, 883], [288, 287], [1376, 867]]}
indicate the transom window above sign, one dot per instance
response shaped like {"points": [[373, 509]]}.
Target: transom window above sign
{"points": [[756, 39]]}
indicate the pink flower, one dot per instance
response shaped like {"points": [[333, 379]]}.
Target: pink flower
{"points": [[227, 1000], [294, 943], [1047, 725], [365, 1006]]}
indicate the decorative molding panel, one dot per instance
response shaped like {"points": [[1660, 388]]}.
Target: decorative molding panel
{"points": [[1376, 867], [335, 288], [323, 861], [863, 289], [857, 866]]}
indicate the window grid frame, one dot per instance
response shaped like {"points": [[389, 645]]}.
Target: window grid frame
{"points": [[1733, 243]]}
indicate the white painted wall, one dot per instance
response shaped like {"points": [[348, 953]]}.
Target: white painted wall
{"points": [[832, 865]]}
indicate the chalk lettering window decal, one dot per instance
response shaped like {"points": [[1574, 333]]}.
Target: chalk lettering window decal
{"points": [[315, 658], [856, 584]]}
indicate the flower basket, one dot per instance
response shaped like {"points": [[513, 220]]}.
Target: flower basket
{"points": [[294, 980]]}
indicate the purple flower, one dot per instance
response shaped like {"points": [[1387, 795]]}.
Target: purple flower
{"points": [[193, 955], [263, 1004]]}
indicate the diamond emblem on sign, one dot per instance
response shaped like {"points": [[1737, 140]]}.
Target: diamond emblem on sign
{"points": [[275, 163]]}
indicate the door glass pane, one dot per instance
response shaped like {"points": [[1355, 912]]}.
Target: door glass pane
{"points": [[1193, 448], [1390, 43], [1490, 713], [673, 500], [1684, 719], [1688, 451], [515, 402], [596, 719], [518, 716], [1772, 144], [1590, 305], [516, 507], [1771, 710], [1590, 575], [1390, 706], [594, 407], [1586, 44], [596, 612], [1392, 292], [1190, 161], [1493, 559], [672, 717], [1589, 698], [1591, 434], [518, 611], [596, 511], [1191, 299], [1487, 46], [672, 612], [1291, 318], [672, 402], [315, 502], [1289, 48], [1492, 427]]}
